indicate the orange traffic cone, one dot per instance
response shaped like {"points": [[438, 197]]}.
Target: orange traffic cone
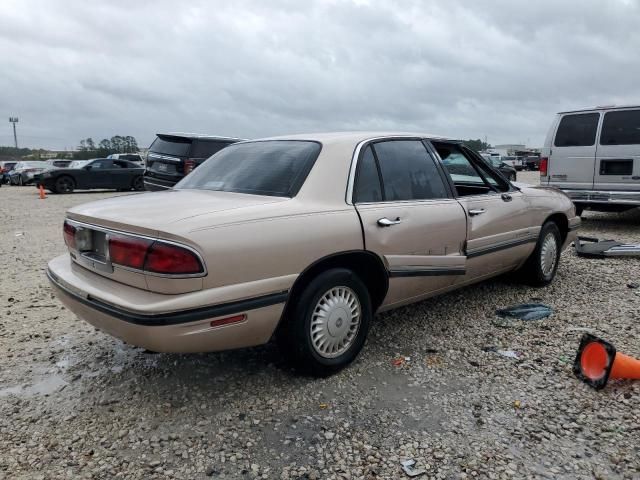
{"points": [[42, 195], [597, 361]]}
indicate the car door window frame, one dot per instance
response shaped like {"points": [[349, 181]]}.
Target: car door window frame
{"points": [[355, 169], [472, 157]]}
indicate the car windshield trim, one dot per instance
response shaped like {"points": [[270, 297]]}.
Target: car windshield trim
{"points": [[243, 173]]}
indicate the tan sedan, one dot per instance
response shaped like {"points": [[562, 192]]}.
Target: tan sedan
{"points": [[303, 237]]}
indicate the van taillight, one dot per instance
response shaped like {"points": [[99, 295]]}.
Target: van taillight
{"points": [[171, 259], [189, 165], [128, 251], [544, 165], [69, 234], [152, 256]]}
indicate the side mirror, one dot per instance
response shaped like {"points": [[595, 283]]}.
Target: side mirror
{"points": [[88, 167]]}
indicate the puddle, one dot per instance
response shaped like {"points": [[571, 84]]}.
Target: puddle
{"points": [[45, 386]]}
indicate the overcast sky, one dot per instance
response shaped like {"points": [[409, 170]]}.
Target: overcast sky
{"points": [[72, 69]]}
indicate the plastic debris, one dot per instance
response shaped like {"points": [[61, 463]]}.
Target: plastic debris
{"points": [[408, 466], [323, 405], [526, 311], [19, 234], [399, 361], [517, 404], [595, 248], [633, 285]]}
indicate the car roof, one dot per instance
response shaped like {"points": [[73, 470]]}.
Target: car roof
{"points": [[198, 136], [600, 107], [356, 137]]}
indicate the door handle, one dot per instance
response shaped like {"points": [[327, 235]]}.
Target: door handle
{"points": [[506, 197], [476, 211], [385, 222]]}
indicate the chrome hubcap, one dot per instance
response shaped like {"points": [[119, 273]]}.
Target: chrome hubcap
{"points": [[335, 322], [548, 254]]}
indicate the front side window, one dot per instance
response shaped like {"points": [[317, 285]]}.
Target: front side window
{"points": [[275, 168], [408, 171], [577, 130], [621, 128]]}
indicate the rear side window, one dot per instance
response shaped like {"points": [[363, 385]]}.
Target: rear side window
{"points": [[621, 128], [175, 146], [408, 172], [102, 165], [275, 168], [577, 130], [202, 149], [367, 187]]}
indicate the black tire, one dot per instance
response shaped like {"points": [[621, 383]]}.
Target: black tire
{"points": [[65, 184], [579, 209], [533, 272], [138, 184], [295, 335]]}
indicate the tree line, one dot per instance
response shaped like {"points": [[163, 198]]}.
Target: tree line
{"points": [[117, 144]]}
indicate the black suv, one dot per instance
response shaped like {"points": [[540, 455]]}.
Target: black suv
{"points": [[172, 156]]}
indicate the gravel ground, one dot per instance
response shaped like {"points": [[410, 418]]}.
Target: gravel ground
{"points": [[76, 403]]}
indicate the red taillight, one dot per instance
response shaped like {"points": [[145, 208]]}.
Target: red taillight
{"points": [[129, 251], [172, 259], [544, 164], [189, 165], [69, 234]]}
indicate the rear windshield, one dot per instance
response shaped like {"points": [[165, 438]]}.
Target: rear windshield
{"points": [[204, 149], [176, 146], [275, 168]]}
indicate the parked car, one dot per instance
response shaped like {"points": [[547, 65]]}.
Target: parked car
{"points": [[593, 155], [514, 161], [24, 173], [132, 157], [532, 162], [305, 237], [172, 156], [58, 163], [99, 173], [5, 169], [508, 171]]}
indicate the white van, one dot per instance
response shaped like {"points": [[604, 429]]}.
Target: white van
{"points": [[593, 155]]}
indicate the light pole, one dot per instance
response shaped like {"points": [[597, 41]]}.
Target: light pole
{"points": [[14, 120]]}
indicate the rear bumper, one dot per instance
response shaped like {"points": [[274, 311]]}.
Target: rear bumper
{"points": [[613, 197], [181, 331], [155, 184]]}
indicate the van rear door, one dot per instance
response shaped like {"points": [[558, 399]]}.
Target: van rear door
{"points": [[618, 152], [573, 153]]}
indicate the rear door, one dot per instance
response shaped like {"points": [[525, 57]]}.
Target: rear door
{"points": [[122, 174], [573, 153], [618, 152], [409, 218]]}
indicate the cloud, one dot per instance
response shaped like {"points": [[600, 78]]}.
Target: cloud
{"points": [[73, 69]]}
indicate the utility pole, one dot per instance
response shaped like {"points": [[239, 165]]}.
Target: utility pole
{"points": [[14, 120]]}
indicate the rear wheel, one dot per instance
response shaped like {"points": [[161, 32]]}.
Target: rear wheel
{"points": [[65, 184], [540, 268], [328, 324], [138, 184]]}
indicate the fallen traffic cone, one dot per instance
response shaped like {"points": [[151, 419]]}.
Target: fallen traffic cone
{"points": [[597, 361], [42, 195]]}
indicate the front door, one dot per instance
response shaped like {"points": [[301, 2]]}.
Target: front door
{"points": [[618, 152], [499, 223], [409, 218]]}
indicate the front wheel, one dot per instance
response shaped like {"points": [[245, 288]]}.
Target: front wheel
{"points": [[328, 324], [65, 184], [540, 268]]}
